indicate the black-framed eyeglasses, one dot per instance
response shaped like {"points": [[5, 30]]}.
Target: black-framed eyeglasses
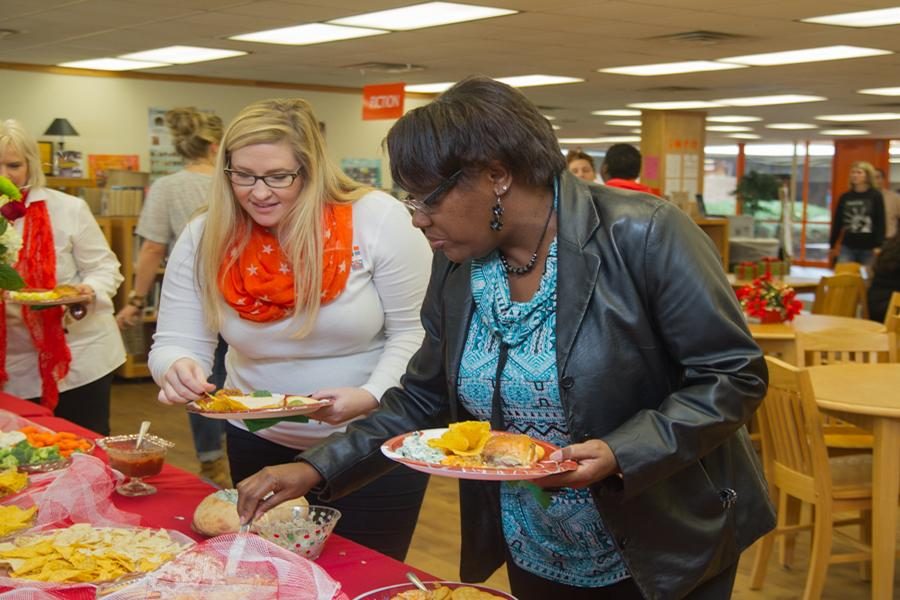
{"points": [[425, 204], [273, 180]]}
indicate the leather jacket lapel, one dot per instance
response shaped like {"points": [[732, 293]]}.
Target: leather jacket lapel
{"points": [[458, 310], [579, 263]]}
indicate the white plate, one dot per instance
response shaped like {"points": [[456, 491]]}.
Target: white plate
{"points": [[540, 469], [263, 413]]}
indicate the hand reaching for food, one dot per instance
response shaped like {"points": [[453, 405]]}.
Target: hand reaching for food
{"points": [[348, 403], [183, 382], [273, 485], [596, 462]]}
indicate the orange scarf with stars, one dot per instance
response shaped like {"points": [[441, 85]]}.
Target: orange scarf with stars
{"points": [[259, 285]]}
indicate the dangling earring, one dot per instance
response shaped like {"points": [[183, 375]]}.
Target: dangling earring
{"points": [[497, 219]]}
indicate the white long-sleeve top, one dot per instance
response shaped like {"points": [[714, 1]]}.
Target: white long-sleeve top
{"points": [[364, 338], [82, 256]]}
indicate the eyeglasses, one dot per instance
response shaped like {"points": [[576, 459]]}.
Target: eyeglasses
{"points": [[425, 204], [275, 180]]}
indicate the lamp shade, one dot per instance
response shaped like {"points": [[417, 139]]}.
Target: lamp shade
{"points": [[60, 127]]}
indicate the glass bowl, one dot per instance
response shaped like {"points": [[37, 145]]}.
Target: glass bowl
{"points": [[304, 532], [136, 463]]}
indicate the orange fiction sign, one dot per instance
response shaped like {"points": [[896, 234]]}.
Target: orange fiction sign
{"points": [[383, 101]]}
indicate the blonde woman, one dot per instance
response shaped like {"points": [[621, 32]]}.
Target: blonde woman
{"points": [[858, 223], [315, 282], [172, 201], [66, 367]]}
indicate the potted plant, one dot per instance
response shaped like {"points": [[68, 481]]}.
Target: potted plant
{"points": [[754, 187]]}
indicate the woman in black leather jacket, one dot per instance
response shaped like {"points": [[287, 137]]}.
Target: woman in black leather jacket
{"points": [[608, 321]]}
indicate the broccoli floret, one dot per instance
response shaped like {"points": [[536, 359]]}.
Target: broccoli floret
{"points": [[7, 460]]}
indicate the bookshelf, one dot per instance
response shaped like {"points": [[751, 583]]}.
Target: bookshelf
{"points": [[126, 245], [70, 185]]}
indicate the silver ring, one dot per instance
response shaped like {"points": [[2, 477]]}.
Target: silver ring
{"points": [[269, 495]]}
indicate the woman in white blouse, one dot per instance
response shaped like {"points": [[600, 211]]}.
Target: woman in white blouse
{"points": [[64, 364], [315, 282]]}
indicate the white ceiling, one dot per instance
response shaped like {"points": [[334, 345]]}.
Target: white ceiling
{"points": [[573, 38]]}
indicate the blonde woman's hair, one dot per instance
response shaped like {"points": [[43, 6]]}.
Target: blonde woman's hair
{"points": [[194, 131], [868, 169], [13, 134], [300, 231]]}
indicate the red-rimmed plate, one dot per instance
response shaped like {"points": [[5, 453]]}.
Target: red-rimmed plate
{"points": [[391, 449], [263, 413], [388, 592]]}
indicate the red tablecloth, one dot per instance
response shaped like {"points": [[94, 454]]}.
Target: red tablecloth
{"points": [[356, 567], [23, 408]]}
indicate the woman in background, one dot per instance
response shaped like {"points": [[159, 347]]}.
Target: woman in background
{"points": [[885, 279], [315, 282], [858, 223], [581, 165], [170, 204], [45, 356]]}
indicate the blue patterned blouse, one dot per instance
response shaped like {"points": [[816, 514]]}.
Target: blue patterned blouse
{"points": [[567, 542]]}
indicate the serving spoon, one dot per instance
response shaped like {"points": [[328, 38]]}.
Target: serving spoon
{"points": [[145, 426], [414, 579]]}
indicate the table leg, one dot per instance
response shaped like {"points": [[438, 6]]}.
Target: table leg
{"points": [[885, 490]]}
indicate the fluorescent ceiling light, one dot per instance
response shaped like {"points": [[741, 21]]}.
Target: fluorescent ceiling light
{"points": [[732, 119], [637, 131], [886, 91], [791, 126], [549, 117], [728, 128], [844, 131], [690, 66], [864, 18], [820, 149], [678, 105], [418, 16], [625, 123], [860, 117], [429, 88], [624, 139], [181, 55], [112, 64], [536, 80], [618, 112], [807, 55], [304, 35], [744, 136], [770, 100]]}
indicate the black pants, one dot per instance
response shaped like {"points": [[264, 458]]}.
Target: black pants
{"points": [[381, 515], [528, 586], [87, 405]]}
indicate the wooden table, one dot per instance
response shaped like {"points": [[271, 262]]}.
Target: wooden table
{"points": [[802, 285], [777, 339], [868, 395]]}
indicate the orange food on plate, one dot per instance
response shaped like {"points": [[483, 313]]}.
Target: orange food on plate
{"points": [[66, 441]]}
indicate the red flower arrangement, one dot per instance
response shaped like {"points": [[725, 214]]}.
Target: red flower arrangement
{"points": [[769, 301]]}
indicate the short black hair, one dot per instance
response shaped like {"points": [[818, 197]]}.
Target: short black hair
{"points": [[623, 161], [472, 124]]}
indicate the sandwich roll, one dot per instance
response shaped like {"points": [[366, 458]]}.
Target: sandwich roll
{"points": [[511, 450]]}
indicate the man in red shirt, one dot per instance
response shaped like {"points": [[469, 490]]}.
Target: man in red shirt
{"points": [[622, 166]]}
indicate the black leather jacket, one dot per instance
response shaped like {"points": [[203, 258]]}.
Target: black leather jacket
{"points": [[654, 357]]}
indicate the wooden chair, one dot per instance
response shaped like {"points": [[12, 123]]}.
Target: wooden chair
{"points": [[841, 295], [841, 346], [853, 268], [892, 318], [798, 466]]}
